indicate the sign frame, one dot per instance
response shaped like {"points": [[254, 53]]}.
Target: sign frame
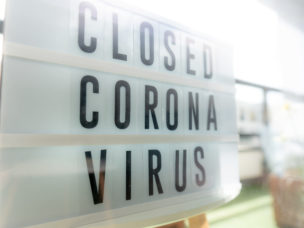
{"points": [[129, 216]]}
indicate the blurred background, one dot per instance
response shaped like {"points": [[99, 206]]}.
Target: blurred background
{"points": [[268, 40]]}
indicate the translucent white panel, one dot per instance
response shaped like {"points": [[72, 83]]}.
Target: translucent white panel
{"points": [[191, 56], [203, 175], [172, 109], [86, 29], [181, 165], [118, 36], [94, 78], [42, 29], [95, 102], [87, 32], [228, 163], [35, 97], [194, 111], [156, 170], [50, 99], [170, 50], [57, 184], [226, 113], [127, 163], [150, 119], [146, 43], [222, 66], [120, 107]]}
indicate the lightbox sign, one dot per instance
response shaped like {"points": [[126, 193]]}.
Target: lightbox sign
{"points": [[110, 117]]}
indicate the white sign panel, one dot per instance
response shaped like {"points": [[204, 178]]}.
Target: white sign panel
{"points": [[111, 117]]}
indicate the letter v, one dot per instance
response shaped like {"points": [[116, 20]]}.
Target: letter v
{"points": [[97, 193]]}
